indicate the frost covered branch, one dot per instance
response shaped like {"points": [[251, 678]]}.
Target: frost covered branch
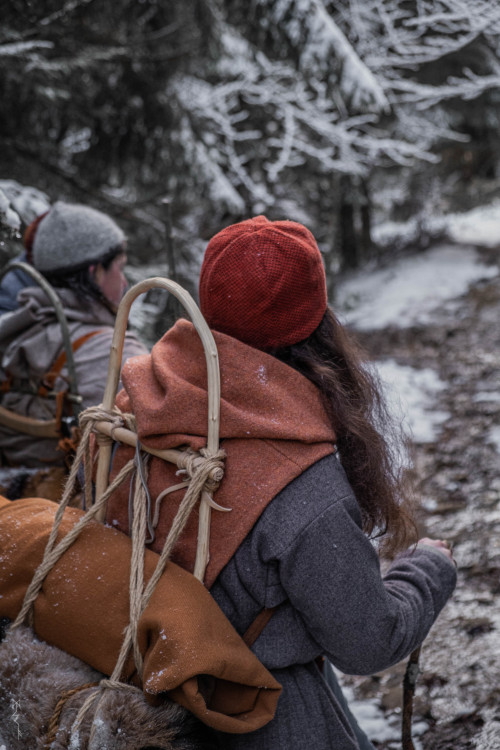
{"points": [[469, 87], [9, 220], [318, 41], [19, 49]]}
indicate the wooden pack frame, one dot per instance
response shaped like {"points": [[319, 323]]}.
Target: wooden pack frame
{"points": [[128, 437], [44, 428]]}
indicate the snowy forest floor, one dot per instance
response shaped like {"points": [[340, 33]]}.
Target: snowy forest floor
{"points": [[456, 339]]}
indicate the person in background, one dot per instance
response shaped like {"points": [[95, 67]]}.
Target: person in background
{"points": [[82, 253], [310, 481]]}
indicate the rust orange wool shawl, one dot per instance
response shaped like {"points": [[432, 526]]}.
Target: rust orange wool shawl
{"points": [[273, 427]]}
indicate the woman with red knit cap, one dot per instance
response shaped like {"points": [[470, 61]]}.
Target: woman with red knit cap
{"points": [[309, 480]]}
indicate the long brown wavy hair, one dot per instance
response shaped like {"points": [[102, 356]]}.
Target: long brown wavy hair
{"points": [[367, 436]]}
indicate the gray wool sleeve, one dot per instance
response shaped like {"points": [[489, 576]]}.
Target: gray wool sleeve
{"points": [[364, 622], [308, 555]]}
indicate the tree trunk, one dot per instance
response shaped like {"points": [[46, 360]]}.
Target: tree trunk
{"points": [[349, 249]]}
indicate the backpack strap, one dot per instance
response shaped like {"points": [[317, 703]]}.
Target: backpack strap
{"points": [[255, 629], [43, 428], [6, 384], [50, 377]]}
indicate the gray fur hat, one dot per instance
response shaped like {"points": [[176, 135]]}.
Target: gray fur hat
{"points": [[73, 236]]}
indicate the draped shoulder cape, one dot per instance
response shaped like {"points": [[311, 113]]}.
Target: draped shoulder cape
{"points": [[273, 427]]}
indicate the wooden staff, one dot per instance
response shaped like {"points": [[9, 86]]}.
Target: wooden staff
{"points": [[409, 684]]}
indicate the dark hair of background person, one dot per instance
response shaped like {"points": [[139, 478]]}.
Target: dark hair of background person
{"points": [[366, 433], [81, 280]]}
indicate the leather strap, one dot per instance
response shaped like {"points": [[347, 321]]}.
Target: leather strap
{"points": [[258, 625], [50, 377], [6, 384]]}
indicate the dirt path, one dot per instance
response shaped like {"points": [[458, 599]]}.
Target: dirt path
{"points": [[459, 488]]}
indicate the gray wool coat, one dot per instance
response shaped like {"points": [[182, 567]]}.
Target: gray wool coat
{"points": [[30, 342], [308, 554]]}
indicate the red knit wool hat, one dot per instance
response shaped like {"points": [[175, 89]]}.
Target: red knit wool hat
{"points": [[263, 282]]}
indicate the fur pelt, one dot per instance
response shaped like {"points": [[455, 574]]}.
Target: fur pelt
{"points": [[48, 483], [33, 676]]}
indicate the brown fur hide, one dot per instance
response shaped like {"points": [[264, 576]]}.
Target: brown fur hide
{"points": [[48, 483], [34, 675]]}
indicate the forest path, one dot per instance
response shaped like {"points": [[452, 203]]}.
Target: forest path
{"points": [[458, 485]]}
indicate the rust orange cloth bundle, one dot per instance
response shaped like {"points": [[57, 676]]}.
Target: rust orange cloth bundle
{"points": [[83, 608], [273, 426]]}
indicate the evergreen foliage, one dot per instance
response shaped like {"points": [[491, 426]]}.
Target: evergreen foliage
{"points": [[286, 107]]}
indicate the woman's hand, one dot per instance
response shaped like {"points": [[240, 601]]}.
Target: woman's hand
{"points": [[441, 544]]}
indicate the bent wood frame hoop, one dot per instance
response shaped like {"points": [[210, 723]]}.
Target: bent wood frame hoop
{"points": [[28, 425], [130, 438]]}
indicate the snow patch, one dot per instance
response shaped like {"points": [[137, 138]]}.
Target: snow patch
{"points": [[262, 375], [494, 437], [28, 202], [480, 226], [412, 289], [378, 726], [411, 396], [8, 473], [492, 396], [14, 49], [8, 217]]}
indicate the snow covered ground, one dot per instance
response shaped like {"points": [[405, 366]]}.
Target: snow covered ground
{"points": [[480, 226], [411, 394], [411, 289], [408, 295], [377, 725]]}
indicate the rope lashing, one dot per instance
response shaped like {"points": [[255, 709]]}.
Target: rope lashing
{"points": [[96, 697], [53, 725], [189, 462], [52, 551], [201, 481], [116, 418], [140, 596], [205, 471]]}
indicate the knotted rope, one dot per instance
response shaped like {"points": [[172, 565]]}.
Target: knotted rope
{"points": [[52, 551], [53, 726], [204, 476]]}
